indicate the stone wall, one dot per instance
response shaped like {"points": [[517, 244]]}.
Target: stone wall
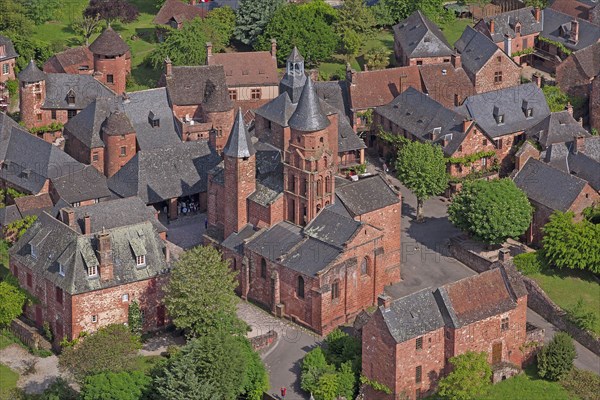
{"points": [[29, 335], [263, 341], [459, 249]]}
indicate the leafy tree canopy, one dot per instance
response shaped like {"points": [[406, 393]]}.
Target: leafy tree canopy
{"points": [[223, 20], [354, 15], [116, 385], [390, 12], [470, 378], [12, 300], [492, 211], [555, 360], [40, 11], [112, 10], [252, 18], [13, 18]]}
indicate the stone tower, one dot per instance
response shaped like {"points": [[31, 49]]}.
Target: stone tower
{"points": [[119, 140], [294, 79], [240, 176], [32, 93], [112, 60], [310, 160]]}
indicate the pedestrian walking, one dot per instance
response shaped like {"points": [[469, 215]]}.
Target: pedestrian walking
{"points": [[283, 391]]}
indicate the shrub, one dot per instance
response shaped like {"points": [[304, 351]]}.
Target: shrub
{"points": [[13, 87], [469, 379], [120, 385], [580, 316], [583, 384], [529, 263], [12, 300], [135, 320], [555, 360]]}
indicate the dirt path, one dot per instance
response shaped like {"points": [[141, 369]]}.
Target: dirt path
{"points": [[36, 373]]}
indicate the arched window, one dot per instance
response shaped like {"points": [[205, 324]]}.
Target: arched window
{"points": [[300, 287], [234, 264], [327, 184], [364, 266], [292, 183], [319, 187], [318, 208], [263, 268]]}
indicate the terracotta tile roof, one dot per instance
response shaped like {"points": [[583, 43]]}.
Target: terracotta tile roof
{"points": [[572, 8], [29, 204], [442, 82], [70, 61], [257, 68], [371, 89], [178, 10]]}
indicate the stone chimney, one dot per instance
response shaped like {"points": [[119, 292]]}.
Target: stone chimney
{"points": [[569, 108], [537, 14], [87, 225], [504, 255], [68, 217], [579, 144], [208, 51], [168, 67], [465, 125], [537, 79], [456, 61], [385, 301], [574, 33], [492, 26], [274, 48], [508, 45], [105, 256], [350, 73]]}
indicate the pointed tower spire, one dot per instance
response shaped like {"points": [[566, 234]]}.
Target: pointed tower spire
{"points": [[239, 144], [309, 116], [295, 56], [294, 79], [31, 74]]}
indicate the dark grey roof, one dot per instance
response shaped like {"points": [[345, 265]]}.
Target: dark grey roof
{"points": [[117, 124], [86, 125], [338, 207], [558, 127], [278, 110], [9, 214], [311, 256], [332, 228], [558, 25], [425, 118], [276, 241], [236, 240], [585, 168], [505, 23], [85, 88], [308, 116], [81, 185], [548, 186], [31, 74], [295, 56], [580, 163], [109, 43], [115, 214], [204, 84], [592, 148], [56, 243], [419, 37], [6, 125], [239, 144], [510, 102], [160, 174], [412, 316], [475, 49], [269, 174], [366, 195], [9, 49]]}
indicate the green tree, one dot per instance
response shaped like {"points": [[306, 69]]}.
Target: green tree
{"points": [[557, 100], [14, 20], [328, 387], [377, 58], [469, 379], [355, 25], [306, 26], [116, 385], [390, 12], [347, 380], [111, 349], [555, 360], [223, 20], [87, 26], [13, 231], [12, 300], [135, 318], [252, 17], [40, 11], [351, 42], [569, 244], [422, 169], [200, 294], [314, 366], [491, 211]]}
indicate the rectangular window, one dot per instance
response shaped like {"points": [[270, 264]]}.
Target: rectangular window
{"points": [[5, 69], [485, 142], [255, 94], [504, 324], [500, 143], [93, 270], [419, 62], [484, 162], [499, 58], [123, 151], [125, 298], [232, 94], [94, 318], [76, 204], [29, 280], [335, 290], [59, 295], [419, 343], [61, 269], [38, 97], [140, 261], [39, 117], [418, 374], [110, 79], [71, 113], [94, 157], [497, 77], [53, 114]]}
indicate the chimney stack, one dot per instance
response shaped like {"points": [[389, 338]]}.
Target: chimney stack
{"points": [[69, 217], [106, 259], [508, 45], [574, 34], [208, 51], [456, 61], [274, 48], [492, 26], [168, 68], [465, 125], [87, 224], [579, 144], [385, 301], [537, 14], [570, 108], [504, 255]]}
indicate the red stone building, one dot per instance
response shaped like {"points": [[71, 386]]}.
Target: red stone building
{"points": [[88, 266], [595, 104], [407, 342], [310, 246], [8, 59], [174, 13], [575, 74], [587, 9]]}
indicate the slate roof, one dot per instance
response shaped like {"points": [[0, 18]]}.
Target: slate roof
{"points": [[269, 174], [419, 37], [239, 144], [548, 186], [6, 125], [585, 167], [236, 240], [366, 195], [509, 102], [308, 115], [558, 25], [204, 84], [332, 228], [169, 172], [56, 243], [109, 43], [588, 60], [84, 184], [584, 163], [9, 49], [70, 61], [442, 82], [116, 124], [476, 50], [412, 316], [31, 74], [505, 23], [573, 8], [256, 68], [85, 88], [115, 214], [311, 256], [86, 125], [276, 241], [179, 10], [558, 127], [9, 214]]}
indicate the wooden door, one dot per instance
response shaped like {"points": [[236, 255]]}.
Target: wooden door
{"points": [[496, 353]]}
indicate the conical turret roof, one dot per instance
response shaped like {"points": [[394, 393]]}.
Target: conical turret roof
{"points": [[295, 56], [308, 116], [109, 43], [117, 123], [31, 74], [239, 144]]}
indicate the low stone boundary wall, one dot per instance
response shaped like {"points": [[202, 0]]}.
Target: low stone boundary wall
{"points": [[29, 335], [460, 249], [263, 341]]}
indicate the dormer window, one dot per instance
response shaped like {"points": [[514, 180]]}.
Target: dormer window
{"points": [[500, 119], [33, 251], [92, 271], [61, 269], [518, 28], [2, 51], [529, 112], [140, 261], [153, 120], [71, 98]]}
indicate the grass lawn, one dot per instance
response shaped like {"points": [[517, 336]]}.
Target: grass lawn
{"points": [[8, 381], [146, 363], [566, 287], [454, 29], [139, 35], [528, 386]]}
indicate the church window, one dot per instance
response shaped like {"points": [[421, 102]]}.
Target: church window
{"points": [[327, 184], [300, 287], [364, 266], [418, 374], [319, 187], [335, 290], [263, 268]]}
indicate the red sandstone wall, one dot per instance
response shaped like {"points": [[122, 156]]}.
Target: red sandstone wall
{"points": [[378, 357], [511, 74], [119, 67]]}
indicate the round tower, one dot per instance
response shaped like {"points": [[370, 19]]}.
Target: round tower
{"points": [[119, 141], [112, 60], [32, 93]]}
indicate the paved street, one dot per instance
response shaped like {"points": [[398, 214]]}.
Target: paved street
{"points": [[186, 231]]}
